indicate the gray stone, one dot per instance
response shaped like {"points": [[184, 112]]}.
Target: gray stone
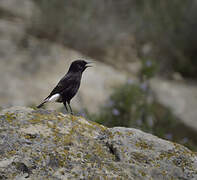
{"points": [[50, 145], [19, 8], [180, 97]]}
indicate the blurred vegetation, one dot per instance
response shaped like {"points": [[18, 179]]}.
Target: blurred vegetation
{"points": [[93, 27], [127, 107], [170, 26], [162, 30], [133, 105]]}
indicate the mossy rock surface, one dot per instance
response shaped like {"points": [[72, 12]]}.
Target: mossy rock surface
{"points": [[42, 144]]}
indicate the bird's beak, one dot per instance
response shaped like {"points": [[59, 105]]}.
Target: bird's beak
{"points": [[87, 65]]}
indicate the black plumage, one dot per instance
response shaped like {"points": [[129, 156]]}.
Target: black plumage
{"points": [[68, 86]]}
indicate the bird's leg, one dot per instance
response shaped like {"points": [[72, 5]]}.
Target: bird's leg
{"points": [[65, 106], [71, 111]]}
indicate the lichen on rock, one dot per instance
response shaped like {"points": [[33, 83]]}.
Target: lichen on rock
{"points": [[42, 144]]}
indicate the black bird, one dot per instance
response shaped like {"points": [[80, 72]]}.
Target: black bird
{"points": [[68, 86]]}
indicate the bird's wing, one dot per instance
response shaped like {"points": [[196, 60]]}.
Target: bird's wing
{"points": [[64, 85]]}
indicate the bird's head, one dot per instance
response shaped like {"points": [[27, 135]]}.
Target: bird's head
{"points": [[79, 66]]}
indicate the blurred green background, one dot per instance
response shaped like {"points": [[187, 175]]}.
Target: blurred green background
{"points": [[145, 40], [93, 27]]}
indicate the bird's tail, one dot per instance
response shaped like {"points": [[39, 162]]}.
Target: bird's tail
{"points": [[39, 106]]}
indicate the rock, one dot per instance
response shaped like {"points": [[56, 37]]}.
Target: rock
{"points": [[43, 144], [126, 57], [180, 97], [18, 8]]}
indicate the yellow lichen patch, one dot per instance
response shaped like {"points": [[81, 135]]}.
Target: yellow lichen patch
{"points": [[142, 173], [111, 166], [167, 155], [55, 129], [35, 120], [110, 135], [25, 149], [30, 136], [129, 133], [40, 118], [101, 127], [85, 122], [155, 163], [118, 133], [88, 156], [13, 152], [178, 147], [73, 118], [66, 140], [183, 149], [143, 145], [69, 135], [164, 173], [61, 117], [65, 152], [10, 117], [100, 151], [36, 129], [79, 155], [140, 157], [87, 129], [63, 129]]}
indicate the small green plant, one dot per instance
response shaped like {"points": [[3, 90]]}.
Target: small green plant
{"points": [[123, 107], [148, 70], [128, 105]]}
